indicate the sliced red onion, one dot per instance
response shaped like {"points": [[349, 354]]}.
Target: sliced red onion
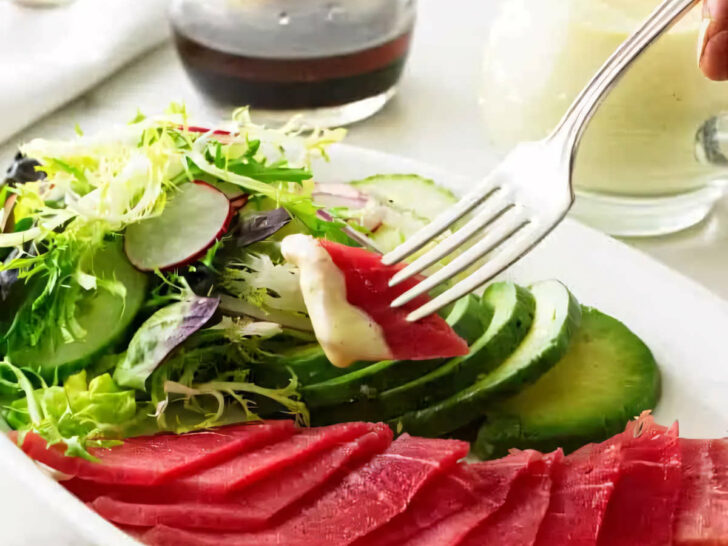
{"points": [[360, 238]]}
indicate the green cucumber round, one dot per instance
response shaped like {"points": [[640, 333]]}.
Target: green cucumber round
{"points": [[104, 316], [469, 317], [307, 362], [607, 377], [415, 200], [557, 318], [514, 312]]}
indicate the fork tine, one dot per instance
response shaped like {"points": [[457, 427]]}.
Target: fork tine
{"points": [[485, 217], [500, 262], [471, 200], [502, 229], [529, 237]]}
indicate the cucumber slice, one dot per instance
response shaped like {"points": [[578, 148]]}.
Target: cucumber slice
{"points": [[514, 309], [415, 200], [557, 318], [608, 376], [105, 317], [307, 362], [468, 318]]}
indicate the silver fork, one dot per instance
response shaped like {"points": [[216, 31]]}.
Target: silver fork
{"points": [[526, 196]]}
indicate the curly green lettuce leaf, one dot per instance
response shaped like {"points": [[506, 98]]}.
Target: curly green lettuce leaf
{"points": [[207, 376], [80, 414], [269, 285]]}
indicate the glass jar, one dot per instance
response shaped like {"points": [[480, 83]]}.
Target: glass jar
{"points": [[636, 171], [334, 61]]}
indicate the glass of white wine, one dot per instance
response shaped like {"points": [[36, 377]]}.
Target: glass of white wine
{"points": [[637, 171]]}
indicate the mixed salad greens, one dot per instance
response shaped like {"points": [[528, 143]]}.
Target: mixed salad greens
{"points": [[94, 349]]}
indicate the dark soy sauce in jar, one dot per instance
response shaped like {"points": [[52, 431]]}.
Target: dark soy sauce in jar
{"points": [[293, 54]]}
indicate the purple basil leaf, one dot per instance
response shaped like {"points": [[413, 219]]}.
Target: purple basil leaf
{"points": [[159, 336], [258, 226]]}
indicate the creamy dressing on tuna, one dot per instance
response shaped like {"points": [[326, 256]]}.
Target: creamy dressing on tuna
{"points": [[346, 333]]}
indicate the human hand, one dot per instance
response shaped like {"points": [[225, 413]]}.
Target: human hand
{"points": [[713, 44]]}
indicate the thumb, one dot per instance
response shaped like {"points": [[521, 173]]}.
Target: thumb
{"points": [[713, 40]]}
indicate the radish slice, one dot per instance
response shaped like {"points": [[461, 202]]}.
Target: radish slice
{"points": [[239, 202], [339, 195], [220, 135], [195, 217]]}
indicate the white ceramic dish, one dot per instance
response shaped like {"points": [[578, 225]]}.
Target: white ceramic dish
{"points": [[682, 322]]}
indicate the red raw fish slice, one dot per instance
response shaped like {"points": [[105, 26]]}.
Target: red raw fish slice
{"points": [[582, 486], [253, 507], [238, 472], [366, 499], [515, 523], [215, 483], [643, 505], [149, 460], [367, 287], [702, 513], [485, 483]]}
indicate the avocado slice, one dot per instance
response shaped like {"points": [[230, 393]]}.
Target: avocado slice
{"points": [[608, 376], [469, 318], [106, 317], [557, 318]]}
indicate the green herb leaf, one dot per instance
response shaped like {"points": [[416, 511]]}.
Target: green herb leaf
{"points": [[138, 117]]}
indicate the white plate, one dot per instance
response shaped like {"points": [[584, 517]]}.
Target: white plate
{"points": [[682, 322]]}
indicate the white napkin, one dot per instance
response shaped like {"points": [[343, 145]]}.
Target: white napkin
{"points": [[50, 55]]}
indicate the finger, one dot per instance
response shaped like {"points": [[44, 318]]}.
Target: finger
{"points": [[713, 41]]}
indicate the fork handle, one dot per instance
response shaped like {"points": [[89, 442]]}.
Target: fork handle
{"points": [[572, 126]]}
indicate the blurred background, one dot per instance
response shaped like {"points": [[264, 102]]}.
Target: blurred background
{"points": [[455, 66]]}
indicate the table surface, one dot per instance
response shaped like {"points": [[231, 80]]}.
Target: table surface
{"points": [[434, 118]]}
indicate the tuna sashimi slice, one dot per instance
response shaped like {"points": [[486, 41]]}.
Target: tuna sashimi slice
{"points": [[235, 473], [582, 486], [216, 483], [486, 484], [702, 512], [515, 523], [254, 506], [364, 500], [148, 460], [643, 505], [367, 287]]}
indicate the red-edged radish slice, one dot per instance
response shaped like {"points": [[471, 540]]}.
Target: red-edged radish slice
{"points": [[197, 129], [194, 218], [239, 202], [220, 135]]}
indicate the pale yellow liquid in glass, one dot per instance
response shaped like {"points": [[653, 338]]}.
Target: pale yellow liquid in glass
{"points": [[642, 140]]}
